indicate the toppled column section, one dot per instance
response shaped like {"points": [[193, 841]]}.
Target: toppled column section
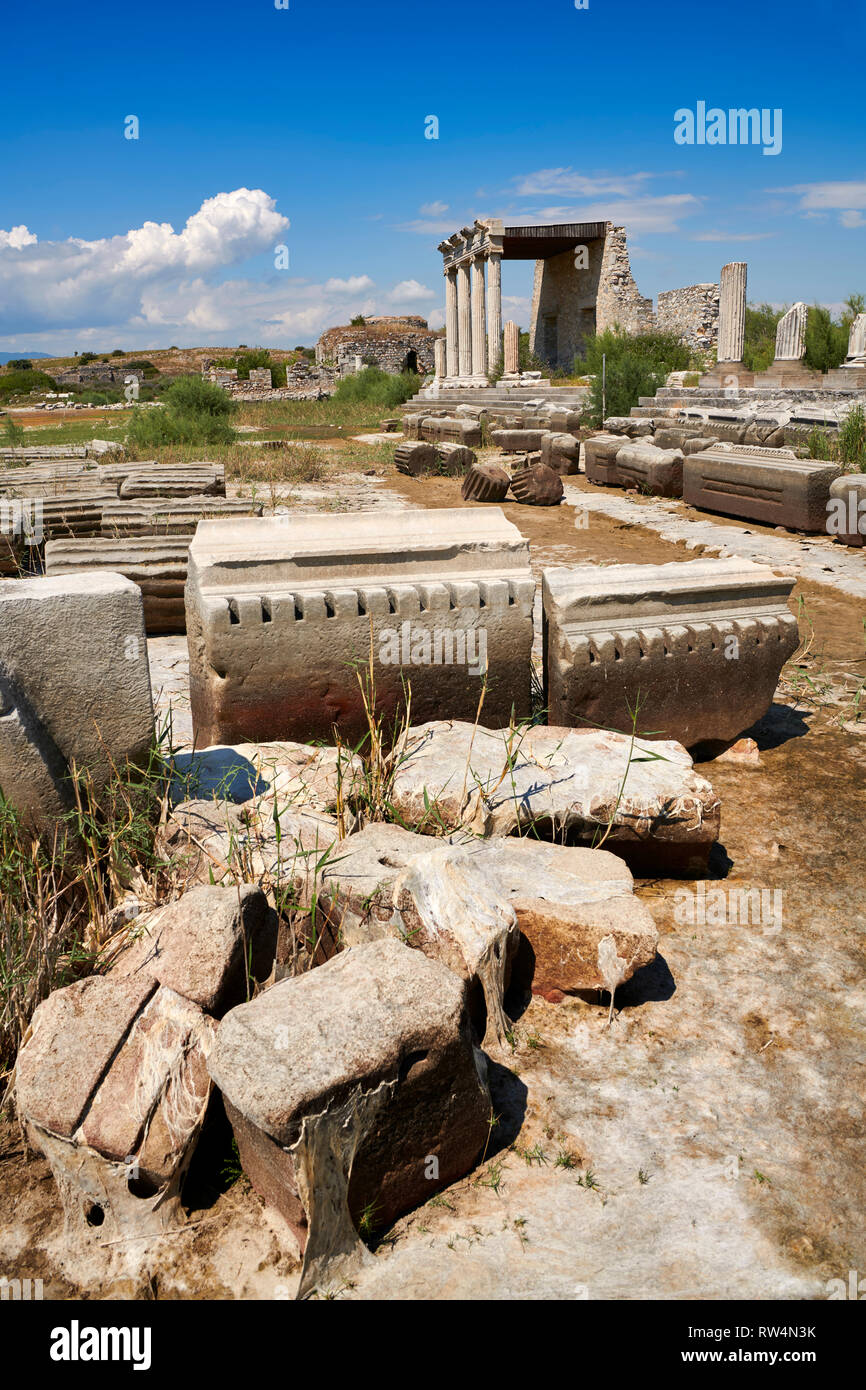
{"points": [[701, 643], [157, 564], [342, 1085], [74, 688], [282, 614]]}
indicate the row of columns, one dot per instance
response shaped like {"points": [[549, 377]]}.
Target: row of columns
{"points": [[473, 317]]}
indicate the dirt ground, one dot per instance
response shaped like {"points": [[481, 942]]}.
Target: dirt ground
{"points": [[708, 1144]]}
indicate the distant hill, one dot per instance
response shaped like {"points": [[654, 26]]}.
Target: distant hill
{"points": [[10, 356]]}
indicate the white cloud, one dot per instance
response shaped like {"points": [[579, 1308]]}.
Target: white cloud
{"points": [[433, 209], [567, 180], [16, 238], [843, 196], [732, 236], [427, 227], [410, 292], [353, 285], [638, 215]]}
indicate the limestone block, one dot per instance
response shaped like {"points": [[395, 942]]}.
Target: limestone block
{"points": [[517, 441], [74, 687], [112, 1087], [537, 485], [454, 902], [204, 945], [415, 458], [697, 444], [451, 430], [652, 470], [599, 458], [562, 420], [846, 510], [280, 611], [485, 482], [702, 642], [412, 426], [561, 783], [183, 480], [157, 565], [628, 424], [561, 452], [342, 1085], [788, 492]]}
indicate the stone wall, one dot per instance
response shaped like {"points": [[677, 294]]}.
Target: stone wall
{"points": [[619, 299], [393, 344], [692, 313]]}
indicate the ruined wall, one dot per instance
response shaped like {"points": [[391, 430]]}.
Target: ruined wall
{"points": [[304, 381], [619, 299], [692, 313], [564, 304], [388, 342]]}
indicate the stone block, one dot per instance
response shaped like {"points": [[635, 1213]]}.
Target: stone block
{"points": [[571, 785], [451, 430], [414, 459], [702, 642], [651, 470], [785, 492], [112, 1087], [280, 611], [489, 908], [561, 452], [156, 564], [599, 458], [517, 441], [342, 1085], [74, 687], [846, 509]]}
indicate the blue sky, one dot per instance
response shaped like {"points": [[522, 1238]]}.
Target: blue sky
{"points": [[545, 112]]}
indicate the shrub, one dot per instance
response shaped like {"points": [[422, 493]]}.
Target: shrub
{"points": [[189, 395], [244, 361], [195, 412], [635, 366], [85, 358], [20, 383], [852, 438], [759, 347], [142, 367], [19, 364], [826, 340], [358, 321], [377, 387]]}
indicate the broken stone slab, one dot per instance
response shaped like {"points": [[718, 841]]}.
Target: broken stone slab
{"points": [[354, 1093], [561, 452], [698, 443], [211, 841], [562, 420], [112, 1087], [788, 492], [537, 485], [517, 441], [303, 776], [209, 946], [486, 482], [846, 508], [282, 612], [700, 643], [74, 689], [631, 425], [454, 901], [651, 470], [156, 564], [414, 458], [569, 785]]}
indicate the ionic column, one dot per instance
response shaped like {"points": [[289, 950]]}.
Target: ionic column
{"points": [[479, 325], [732, 312], [464, 321], [451, 322], [494, 309], [439, 355]]}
